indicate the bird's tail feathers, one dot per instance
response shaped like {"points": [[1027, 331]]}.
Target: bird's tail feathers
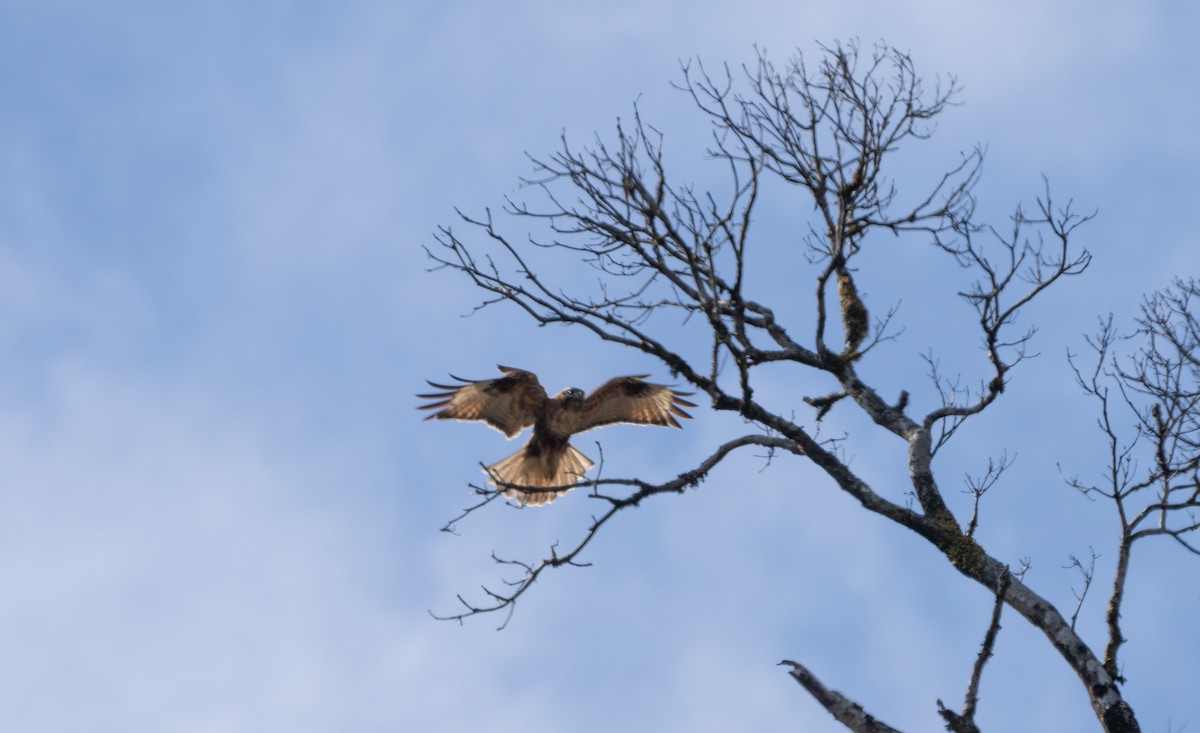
{"points": [[537, 471]]}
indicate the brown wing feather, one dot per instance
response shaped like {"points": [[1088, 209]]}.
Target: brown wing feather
{"points": [[630, 400], [510, 404]]}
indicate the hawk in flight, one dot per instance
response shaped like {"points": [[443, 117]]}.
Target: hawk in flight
{"points": [[515, 401]]}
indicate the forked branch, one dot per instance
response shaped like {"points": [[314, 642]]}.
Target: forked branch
{"points": [[1149, 416], [530, 571]]}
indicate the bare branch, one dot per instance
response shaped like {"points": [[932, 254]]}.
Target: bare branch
{"points": [[964, 722], [1087, 573], [530, 571], [489, 495], [978, 486], [1027, 266], [846, 711], [1151, 476]]}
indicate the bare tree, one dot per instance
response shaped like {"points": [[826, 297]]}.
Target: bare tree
{"points": [[1152, 475], [666, 252]]}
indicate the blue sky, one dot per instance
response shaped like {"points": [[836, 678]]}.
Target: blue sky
{"points": [[219, 510]]}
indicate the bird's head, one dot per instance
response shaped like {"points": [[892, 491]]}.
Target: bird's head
{"points": [[572, 396]]}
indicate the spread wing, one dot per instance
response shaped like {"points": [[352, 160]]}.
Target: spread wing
{"points": [[510, 404], [630, 400]]}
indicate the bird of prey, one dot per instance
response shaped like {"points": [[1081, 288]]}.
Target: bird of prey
{"points": [[517, 400]]}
